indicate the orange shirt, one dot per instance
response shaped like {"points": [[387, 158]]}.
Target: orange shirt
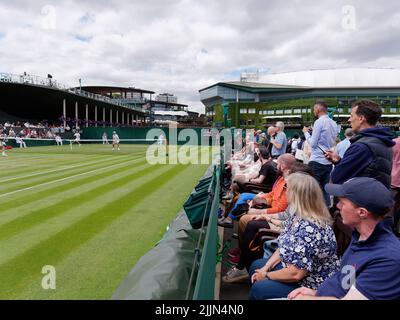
{"points": [[277, 197]]}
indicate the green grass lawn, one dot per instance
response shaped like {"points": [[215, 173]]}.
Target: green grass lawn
{"points": [[89, 212]]}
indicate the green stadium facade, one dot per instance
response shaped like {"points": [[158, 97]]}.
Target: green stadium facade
{"points": [[250, 105]]}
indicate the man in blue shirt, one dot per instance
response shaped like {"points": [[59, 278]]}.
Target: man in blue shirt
{"points": [[323, 137], [370, 267], [278, 141]]}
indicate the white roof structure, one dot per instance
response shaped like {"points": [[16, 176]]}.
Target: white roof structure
{"points": [[282, 117], [171, 113], [352, 77]]}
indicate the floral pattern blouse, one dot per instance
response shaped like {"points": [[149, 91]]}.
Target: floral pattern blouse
{"points": [[311, 247]]}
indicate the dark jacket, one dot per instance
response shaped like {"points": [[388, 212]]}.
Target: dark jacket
{"points": [[370, 155]]}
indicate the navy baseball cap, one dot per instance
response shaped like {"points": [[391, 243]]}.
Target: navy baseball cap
{"points": [[365, 192]]}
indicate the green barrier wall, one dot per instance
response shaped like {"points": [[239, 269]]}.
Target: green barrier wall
{"points": [[140, 133], [205, 282], [171, 270]]}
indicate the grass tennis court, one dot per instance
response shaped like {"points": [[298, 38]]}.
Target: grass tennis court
{"points": [[89, 212]]}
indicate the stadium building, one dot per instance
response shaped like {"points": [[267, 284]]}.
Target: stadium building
{"points": [[26, 97], [262, 100], [37, 99]]}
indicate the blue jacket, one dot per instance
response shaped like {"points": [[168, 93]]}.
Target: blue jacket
{"points": [[359, 156]]}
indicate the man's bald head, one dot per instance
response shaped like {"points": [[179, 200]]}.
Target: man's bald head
{"points": [[286, 162], [271, 131]]}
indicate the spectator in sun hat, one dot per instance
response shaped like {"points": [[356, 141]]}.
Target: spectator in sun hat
{"points": [[370, 267]]}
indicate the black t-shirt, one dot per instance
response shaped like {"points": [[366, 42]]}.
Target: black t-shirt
{"points": [[268, 170]]}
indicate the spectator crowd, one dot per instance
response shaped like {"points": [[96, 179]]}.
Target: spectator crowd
{"points": [[316, 218]]}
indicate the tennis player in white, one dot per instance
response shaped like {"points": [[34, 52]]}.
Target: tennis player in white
{"points": [[77, 140], [105, 139], [3, 145], [59, 140], [115, 141]]}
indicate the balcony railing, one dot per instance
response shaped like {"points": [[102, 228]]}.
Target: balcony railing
{"points": [[51, 83]]}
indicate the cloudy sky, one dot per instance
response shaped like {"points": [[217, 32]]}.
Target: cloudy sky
{"points": [[181, 46]]}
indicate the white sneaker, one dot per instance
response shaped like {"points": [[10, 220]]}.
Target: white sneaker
{"points": [[119, 149], [235, 275]]}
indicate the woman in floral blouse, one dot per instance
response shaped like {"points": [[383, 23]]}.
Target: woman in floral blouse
{"points": [[307, 245]]}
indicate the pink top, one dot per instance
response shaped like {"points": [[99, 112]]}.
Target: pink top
{"points": [[396, 164]]}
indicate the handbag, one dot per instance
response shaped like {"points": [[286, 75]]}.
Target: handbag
{"points": [[270, 247], [256, 245]]}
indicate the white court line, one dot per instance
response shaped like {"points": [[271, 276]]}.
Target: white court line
{"points": [[61, 169], [63, 179]]}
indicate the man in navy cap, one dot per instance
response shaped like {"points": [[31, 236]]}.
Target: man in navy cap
{"points": [[370, 267]]}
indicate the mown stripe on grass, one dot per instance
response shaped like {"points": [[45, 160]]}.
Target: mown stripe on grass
{"points": [[13, 168], [36, 217], [20, 243], [19, 200], [15, 274], [70, 190], [36, 183], [59, 168], [105, 260]]}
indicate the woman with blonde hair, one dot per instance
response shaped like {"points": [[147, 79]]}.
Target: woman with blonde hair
{"points": [[306, 253]]}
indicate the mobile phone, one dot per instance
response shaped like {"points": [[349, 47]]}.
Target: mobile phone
{"points": [[323, 151]]}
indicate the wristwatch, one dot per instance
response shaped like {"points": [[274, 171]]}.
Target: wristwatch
{"points": [[266, 276]]}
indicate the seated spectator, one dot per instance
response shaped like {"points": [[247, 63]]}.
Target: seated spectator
{"points": [[266, 175], [370, 266], [11, 133], [21, 142], [248, 228], [294, 143], [306, 253]]}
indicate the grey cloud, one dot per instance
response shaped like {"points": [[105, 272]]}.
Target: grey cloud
{"points": [[181, 46]]}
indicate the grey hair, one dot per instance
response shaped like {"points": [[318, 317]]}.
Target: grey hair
{"points": [[280, 125]]}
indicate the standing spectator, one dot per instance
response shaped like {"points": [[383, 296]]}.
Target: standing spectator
{"points": [[323, 138], [278, 141], [370, 266], [396, 183], [342, 147], [370, 153], [294, 143]]}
